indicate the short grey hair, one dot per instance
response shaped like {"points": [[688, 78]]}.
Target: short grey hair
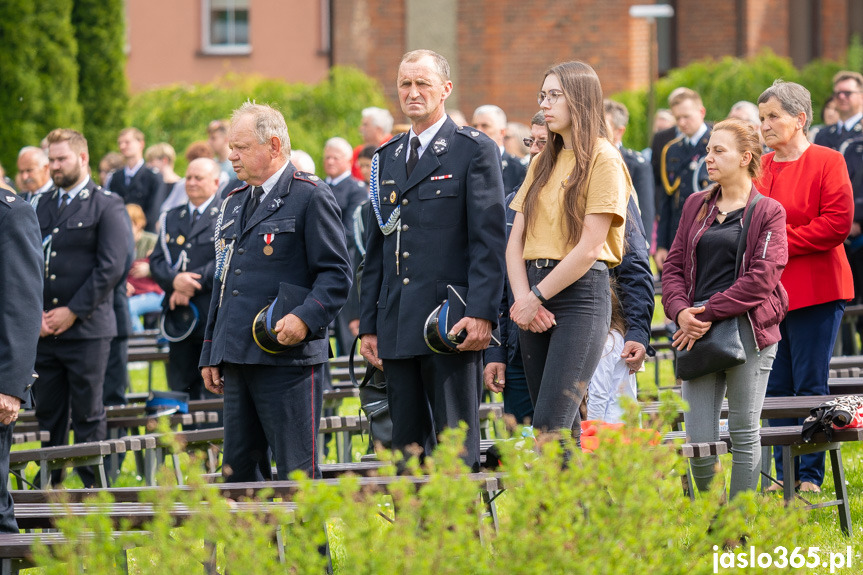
{"points": [[380, 118], [440, 63], [494, 111], [214, 169], [269, 123], [38, 154], [749, 109], [538, 119], [793, 98], [617, 112], [339, 144], [303, 161]]}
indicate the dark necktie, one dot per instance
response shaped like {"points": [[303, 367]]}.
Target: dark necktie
{"points": [[254, 202], [196, 215], [64, 201], [839, 128], [414, 156]]}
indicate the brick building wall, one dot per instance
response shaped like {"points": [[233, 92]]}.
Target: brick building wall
{"points": [[504, 46]]}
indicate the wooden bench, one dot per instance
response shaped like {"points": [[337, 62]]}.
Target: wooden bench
{"points": [[30, 436], [16, 549], [61, 457]]}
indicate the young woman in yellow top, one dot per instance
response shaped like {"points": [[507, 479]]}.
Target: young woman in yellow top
{"points": [[568, 230]]}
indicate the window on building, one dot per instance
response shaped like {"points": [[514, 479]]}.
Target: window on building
{"points": [[804, 31], [226, 27]]}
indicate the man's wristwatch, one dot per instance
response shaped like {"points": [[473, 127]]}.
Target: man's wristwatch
{"points": [[538, 294]]}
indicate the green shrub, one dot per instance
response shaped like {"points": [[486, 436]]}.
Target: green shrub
{"points": [[617, 511], [722, 83], [103, 88], [179, 114]]}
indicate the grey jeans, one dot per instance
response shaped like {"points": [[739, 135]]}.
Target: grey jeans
{"points": [[559, 363], [746, 387]]}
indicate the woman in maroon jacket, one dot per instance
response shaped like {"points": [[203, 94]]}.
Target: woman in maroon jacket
{"points": [[700, 268]]}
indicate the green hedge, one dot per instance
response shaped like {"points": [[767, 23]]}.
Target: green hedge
{"points": [[724, 82], [179, 114]]}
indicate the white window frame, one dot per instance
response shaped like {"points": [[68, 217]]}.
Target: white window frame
{"points": [[219, 49]]}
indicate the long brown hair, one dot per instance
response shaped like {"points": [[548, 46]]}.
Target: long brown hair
{"points": [[746, 139], [583, 94]]}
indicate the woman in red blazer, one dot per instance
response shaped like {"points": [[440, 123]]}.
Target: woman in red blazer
{"points": [[811, 182]]}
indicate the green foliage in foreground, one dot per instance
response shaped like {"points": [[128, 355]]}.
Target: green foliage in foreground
{"points": [[179, 114], [617, 511]]}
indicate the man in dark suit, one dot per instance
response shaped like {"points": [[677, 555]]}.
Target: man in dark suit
{"points": [[20, 320], [681, 165], [438, 221], [491, 121], [136, 183], [617, 117], [84, 234], [848, 95], [33, 172], [183, 264], [350, 193], [281, 236]]}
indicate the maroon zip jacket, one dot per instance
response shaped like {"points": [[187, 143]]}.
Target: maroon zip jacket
{"points": [[757, 290]]}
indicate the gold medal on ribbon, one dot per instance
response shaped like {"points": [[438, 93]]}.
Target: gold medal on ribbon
{"points": [[268, 249]]}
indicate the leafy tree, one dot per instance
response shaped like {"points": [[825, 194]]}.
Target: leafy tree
{"points": [[38, 74], [104, 93]]}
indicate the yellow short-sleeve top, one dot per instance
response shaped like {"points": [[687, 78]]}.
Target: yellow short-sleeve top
{"points": [[608, 190]]}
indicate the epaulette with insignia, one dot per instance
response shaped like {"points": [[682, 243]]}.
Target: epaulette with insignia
{"points": [[106, 192], [240, 189], [392, 140], [307, 177]]}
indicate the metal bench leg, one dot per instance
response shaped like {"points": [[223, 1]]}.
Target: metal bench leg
{"points": [[788, 475], [100, 476], [178, 473], [44, 475], [766, 465], [6, 567], [150, 465], [841, 490]]}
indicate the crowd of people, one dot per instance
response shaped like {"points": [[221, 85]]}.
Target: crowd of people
{"points": [[537, 239]]}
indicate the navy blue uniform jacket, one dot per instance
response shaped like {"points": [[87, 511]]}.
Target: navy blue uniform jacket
{"points": [[177, 235], [452, 232], [89, 247], [21, 267], [308, 251]]}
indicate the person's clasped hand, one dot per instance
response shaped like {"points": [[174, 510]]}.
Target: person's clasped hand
{"points": [[691, 329]]}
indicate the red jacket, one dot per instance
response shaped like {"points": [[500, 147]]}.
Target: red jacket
{"points": [[757, 290], [819, 206]]}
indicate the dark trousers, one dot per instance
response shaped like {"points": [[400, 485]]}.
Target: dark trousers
{"points": [[7, 509], [275, 408], [429, 393], [516, 396], [183, 371], [559, 362], [802, 367], [71, 375], [117, 372]]}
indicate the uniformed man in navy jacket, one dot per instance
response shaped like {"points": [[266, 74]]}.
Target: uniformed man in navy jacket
{"points": [[85, 242], [21, 266], [437, 221], [183, 264], [280, 238]]}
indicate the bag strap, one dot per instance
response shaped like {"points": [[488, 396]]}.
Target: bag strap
{"points": [[741, 243], [370, 369]]}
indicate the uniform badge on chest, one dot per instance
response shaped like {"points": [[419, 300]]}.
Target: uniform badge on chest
{"points": [[268, 249]]}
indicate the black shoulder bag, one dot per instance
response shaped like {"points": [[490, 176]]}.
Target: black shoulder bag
{"points": [[373, 402], [721, 347]]}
